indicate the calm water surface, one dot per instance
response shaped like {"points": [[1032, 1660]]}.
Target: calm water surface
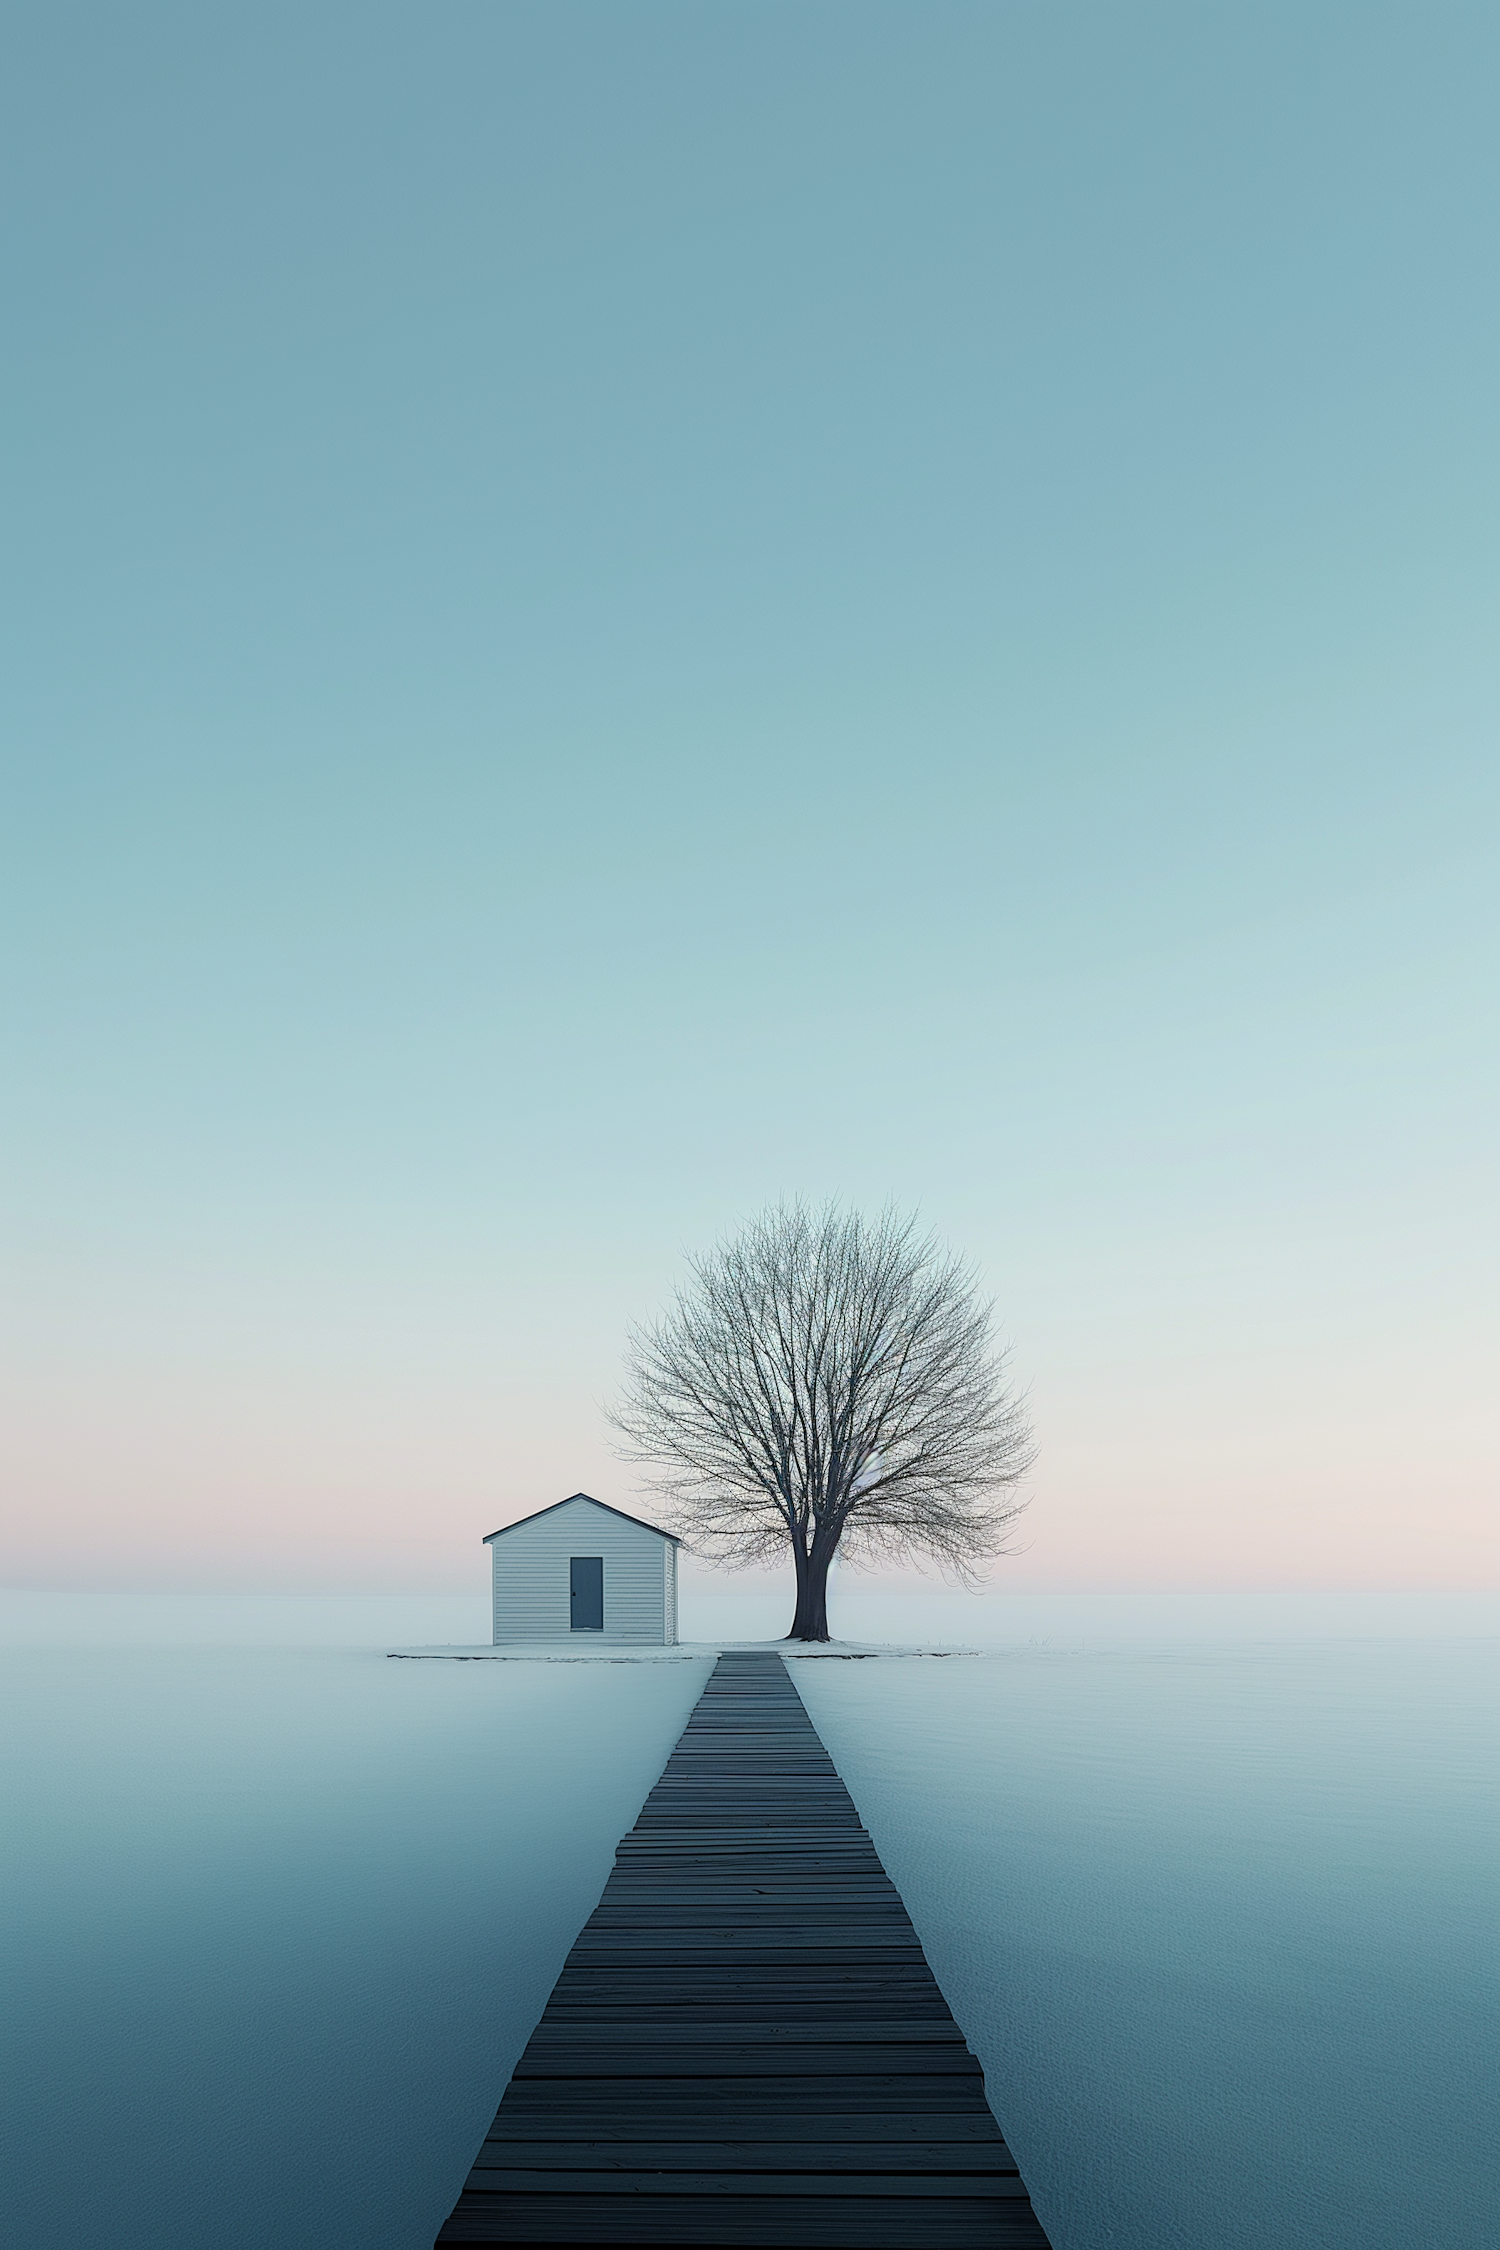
{"points": [[278, 1925], [1221, 1923]]}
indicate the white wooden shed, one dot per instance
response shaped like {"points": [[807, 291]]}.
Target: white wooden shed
{"points": [[579, 1568]]}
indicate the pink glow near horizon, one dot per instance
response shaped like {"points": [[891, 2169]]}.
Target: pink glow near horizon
{"points": [[381, 1522]]}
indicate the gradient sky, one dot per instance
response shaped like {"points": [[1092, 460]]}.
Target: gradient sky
{"points": [[617, 610]]}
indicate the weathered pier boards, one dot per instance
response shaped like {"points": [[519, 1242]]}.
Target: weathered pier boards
{"points": [[746, 2045]]}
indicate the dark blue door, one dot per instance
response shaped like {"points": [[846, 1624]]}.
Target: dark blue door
{"points": [[586, 1593]]}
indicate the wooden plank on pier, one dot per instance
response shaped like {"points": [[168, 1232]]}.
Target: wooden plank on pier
{"points": [[746, 2045]]}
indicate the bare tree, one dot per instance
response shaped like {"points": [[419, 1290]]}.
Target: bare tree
{"points": [[827, 1381]]}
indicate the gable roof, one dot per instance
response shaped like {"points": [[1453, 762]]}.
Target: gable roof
{"points": [[538, 1513]]}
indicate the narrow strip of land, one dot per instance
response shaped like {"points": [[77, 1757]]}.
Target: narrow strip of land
{"points": [[746, 2045]]}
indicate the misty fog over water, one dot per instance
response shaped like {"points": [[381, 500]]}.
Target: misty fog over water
{"points": [[1218, 1916]]}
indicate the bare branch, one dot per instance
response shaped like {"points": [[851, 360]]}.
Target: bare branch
{"points": [[830, 1381]]}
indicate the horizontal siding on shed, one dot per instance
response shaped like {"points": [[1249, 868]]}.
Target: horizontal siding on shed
{"points": [[531, 1576]]}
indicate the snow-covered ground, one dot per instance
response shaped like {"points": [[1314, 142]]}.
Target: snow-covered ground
{"points": [[591, 1651]]}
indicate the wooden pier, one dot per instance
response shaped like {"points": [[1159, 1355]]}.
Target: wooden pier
{"points": [[746, 2045]]}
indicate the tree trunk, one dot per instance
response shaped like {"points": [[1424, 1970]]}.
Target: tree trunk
{"points": [[810, 1622]]}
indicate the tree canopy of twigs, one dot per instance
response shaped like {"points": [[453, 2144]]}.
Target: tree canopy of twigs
{"points": [[828, 1382]]}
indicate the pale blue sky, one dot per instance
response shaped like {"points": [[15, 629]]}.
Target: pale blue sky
{"points": [[618, 610]]}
